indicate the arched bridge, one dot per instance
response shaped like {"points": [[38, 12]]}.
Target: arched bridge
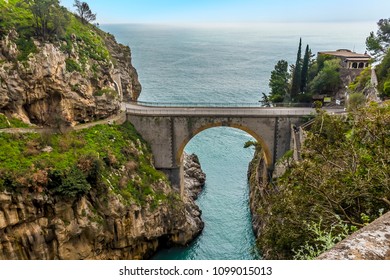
{"points": [[169, 127]]}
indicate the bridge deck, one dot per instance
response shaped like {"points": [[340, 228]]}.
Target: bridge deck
{"points": [[136, 109]]}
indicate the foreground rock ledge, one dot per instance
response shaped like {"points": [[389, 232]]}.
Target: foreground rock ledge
{"points": [[369, 243], [37, 226]]}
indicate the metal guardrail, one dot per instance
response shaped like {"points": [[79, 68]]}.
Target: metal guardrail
{"points": [[205, 109], [221, 104], [215, 112]]}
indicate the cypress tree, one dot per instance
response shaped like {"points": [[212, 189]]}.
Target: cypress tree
{"points": [[305, 69], [296, 81]]}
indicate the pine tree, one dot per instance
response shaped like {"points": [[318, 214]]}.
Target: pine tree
{"points": [[278, 82], [296, 81], [305, 69], [84, 12]]}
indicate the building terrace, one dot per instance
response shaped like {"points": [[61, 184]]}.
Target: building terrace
{"points": [[350, 59]]}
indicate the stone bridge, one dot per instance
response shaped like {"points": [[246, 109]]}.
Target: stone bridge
{"points": [[168, 129]]}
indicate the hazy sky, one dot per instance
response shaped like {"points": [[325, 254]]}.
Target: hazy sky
{"points": [[231, 11]]}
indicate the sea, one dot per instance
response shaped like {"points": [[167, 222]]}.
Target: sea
{"points": [[223, 63]]}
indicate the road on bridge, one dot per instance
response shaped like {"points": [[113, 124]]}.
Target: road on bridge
{"points": [[136, 109]]}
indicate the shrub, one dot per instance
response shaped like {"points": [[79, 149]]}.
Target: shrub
{"points": [[323, 240], [70, 183], [386, 89], [110, 93], [72, 65], [356, 101], [26, 47], [361, 81]]}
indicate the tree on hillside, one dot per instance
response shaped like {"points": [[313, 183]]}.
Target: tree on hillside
{"points": [[378, 44], [305, 69], [296, 76], [50, 19], [328, 79], [84, 12], [279, 82]]}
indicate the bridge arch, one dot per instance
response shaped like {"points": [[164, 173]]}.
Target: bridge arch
{"points": [[258, 138], [169, 129]]}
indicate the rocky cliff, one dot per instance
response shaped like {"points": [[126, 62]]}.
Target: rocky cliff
{"points": [[91, 193], [117, 217], [194, 176], [38, 226], [297, 215], [65, 82], [258, 184]]}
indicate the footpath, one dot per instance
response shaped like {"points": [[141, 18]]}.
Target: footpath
{"points": [[119, 118]]}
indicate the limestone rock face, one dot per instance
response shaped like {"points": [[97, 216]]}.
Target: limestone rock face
{"points": [[42, 91], [194, 177], [125, 74], [38, 226], [369, 243], [100, 225]]}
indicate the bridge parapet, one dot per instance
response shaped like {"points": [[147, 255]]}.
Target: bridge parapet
{"points": [[222, 104], [219, 111]]}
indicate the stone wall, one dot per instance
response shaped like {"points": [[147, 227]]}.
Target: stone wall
{"points": [[369, 243]]}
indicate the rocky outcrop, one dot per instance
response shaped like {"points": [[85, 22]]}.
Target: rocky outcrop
{"points": [[99, 225], [194, 177], [369, 243], [124, 74], [45, 90], [258, 181], [38, 226]]}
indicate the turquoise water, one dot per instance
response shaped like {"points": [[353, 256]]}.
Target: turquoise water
{"points": [[223, 64]]}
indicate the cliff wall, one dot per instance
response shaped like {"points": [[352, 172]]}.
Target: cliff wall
{"points": [[286, 216], [124, 213], [60, 84]]}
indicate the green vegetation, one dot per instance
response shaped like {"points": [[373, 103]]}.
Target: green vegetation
{"points": [[46, 20], [84, 12], [11, 122], [362, 81], [327, 79], [383, 73], [323, 240], [305, 79], [341, 183], [26, 47], [356, 100], [110, 93], [379, 46], [14, 14], [85, 39], [72, 65], [296, 74], [100, 158], [305, 69], [279, 82]]}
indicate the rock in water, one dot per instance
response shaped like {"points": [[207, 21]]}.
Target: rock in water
{"points": [[194, 177]]}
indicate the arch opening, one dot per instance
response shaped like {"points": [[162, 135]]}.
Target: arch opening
{"points": [[258, 138], [180, 153], [224, 200]]}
